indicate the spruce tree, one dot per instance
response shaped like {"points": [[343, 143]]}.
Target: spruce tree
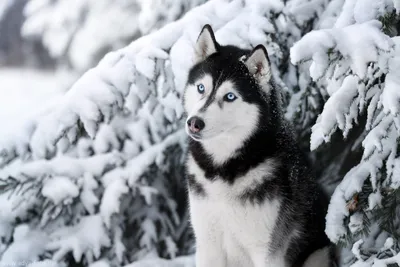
{"points": [[353, 59]]}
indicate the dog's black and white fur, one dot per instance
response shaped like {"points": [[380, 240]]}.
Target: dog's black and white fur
{"points": [[253, 199]]}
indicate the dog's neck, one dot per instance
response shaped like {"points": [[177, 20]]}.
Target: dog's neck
{"points": [[222, 148], [227, 159]]}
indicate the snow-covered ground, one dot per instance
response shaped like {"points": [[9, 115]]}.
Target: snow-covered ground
{"points": [[24, 93]]}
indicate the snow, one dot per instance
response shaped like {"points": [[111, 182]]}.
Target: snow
{"points": [[136, 166], [63, 166], [106, 140], [20, 103], [59, 189], [27, 246], [356, 223], [386, 262], [305, 10], [87, 238], [374, 200], [4, 5], [330, 14], [390, 96], [337, 212], [178, 262], [356, 248], [359, 49], [360, 11], [81, 30], [107, 84], [352, 183], [12, 207], [87, 195], [24, 93], [389, 243], [111, 199], [344, 56], [335, 113]]}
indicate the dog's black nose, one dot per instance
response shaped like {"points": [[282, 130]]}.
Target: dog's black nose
{"points": [[195, 124]]}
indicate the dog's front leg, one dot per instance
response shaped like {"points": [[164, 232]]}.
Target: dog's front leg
{"points": [[262, 259], [210, 254]]}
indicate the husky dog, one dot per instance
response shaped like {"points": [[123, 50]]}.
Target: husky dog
{"points": [[253, 199]]}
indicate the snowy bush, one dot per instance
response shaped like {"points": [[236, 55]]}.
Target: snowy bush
{"points": [[96, 178], [355, 60], [79, 32]]}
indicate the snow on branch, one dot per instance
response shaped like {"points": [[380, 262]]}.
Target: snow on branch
{"points": [[96, 96], [358, 66], [69, 29], [347, 61]]}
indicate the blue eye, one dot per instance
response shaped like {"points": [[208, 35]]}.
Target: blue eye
{"points": [[230, 97], [201, 88]]}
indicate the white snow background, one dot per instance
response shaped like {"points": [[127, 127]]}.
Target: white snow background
{"points": [[24, 93]]}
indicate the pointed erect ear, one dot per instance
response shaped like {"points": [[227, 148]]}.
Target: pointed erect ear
{"points": [[206, 44], [259, 65]]}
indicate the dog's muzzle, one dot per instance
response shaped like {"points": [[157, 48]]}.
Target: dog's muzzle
{"points": [[195, 124]]}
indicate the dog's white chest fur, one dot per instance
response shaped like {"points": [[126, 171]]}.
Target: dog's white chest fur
{"points": [[230, 232]]}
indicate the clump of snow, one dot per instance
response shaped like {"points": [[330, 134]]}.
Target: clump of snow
{"points": [[336, 113], [87, 196], [87, 238], [356, 249], [303, 11], [59, 189], [334, 220], [374, 200], [389, 243], [110, 202], [356, 222], [28, 245]]}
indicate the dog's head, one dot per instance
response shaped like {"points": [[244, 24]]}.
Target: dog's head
{"points": [[226, 89]]}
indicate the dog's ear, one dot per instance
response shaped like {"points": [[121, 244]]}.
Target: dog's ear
{"points": [[258, 64], [206, 44]]}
